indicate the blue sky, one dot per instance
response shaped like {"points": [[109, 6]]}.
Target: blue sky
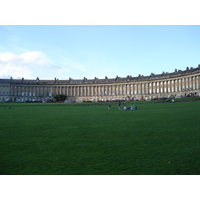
{"points": [[96, 50]]}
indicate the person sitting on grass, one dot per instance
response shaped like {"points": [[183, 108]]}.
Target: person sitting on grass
{"points": [[130, 108], [135, 108], [127, 108]]}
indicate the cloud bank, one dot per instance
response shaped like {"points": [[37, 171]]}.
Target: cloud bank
{"points": [[28, 65]]}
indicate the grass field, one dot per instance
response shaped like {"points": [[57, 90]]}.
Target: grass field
{"points": [[89, 139]]}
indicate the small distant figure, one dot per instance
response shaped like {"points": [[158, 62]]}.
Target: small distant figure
{"points": [[119, 104], [133, 108], [172, 100], [109, 105]]}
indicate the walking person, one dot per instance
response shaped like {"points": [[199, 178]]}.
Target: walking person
{"points": [[119, 104], [109, 105]]}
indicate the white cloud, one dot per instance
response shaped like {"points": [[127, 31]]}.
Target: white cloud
{"points": [[29, 65], [41, 62], [7, 57], [78, 66], [30, 57]]}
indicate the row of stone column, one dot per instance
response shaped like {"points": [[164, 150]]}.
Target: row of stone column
{"points": [[178, 85], [173, 85], [30, 91]]}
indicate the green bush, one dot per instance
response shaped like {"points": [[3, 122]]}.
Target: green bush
{"points": [[60, 97]]}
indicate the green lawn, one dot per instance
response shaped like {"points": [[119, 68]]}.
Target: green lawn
{"points": [[158, 138]]}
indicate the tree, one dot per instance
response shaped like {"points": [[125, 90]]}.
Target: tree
{"points": [[128, 97], [60, 97]]}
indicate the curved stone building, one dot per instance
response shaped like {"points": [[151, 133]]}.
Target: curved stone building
{"points": [[176, 84]]}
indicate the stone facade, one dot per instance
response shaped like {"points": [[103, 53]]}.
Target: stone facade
{"points": [[176, 84]]}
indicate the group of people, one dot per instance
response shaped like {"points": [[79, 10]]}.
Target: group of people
{"points": [[125, 108], [130, 108]]}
